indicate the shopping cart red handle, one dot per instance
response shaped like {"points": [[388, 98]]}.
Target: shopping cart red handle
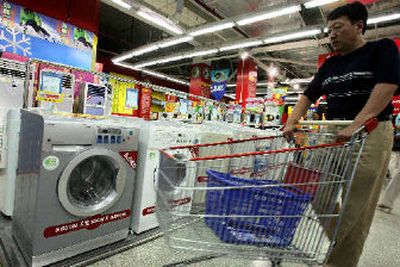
{"points": [[371, 125]]}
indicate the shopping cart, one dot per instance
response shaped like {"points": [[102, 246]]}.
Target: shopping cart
{"points": [[259, 198]]}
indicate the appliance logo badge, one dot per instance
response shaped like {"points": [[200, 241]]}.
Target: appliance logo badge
{"points": [[51, 163], [130, 157], [90, 223]]}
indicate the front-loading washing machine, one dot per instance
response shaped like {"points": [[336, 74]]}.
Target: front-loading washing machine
{"points": [[74, 188], [155, 135]]}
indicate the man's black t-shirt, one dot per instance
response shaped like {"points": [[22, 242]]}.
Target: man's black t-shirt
{"points": [[348, 80]]}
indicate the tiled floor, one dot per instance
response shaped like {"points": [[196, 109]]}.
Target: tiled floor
{"points": [[382, 249]]}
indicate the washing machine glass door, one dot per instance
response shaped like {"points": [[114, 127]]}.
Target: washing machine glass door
{"points": [[92, 182]]}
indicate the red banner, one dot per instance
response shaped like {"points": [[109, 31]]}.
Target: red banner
{"points": [[145, 103], [90, 223], [246, 81], [200, 81], [174, 203]]}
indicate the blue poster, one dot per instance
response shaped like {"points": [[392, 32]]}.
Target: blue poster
{"points": [[33, 35], [219, 80]]}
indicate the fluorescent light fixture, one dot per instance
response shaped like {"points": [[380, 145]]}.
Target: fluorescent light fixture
{"points": [[292, 36], [144, 50], [383, 18], [169, 59], [269, 15], [176, 41], [128, 66], [315, 3], [201, 53], [231, 85], [159, 20], [122, 58], [165, 77], [241, 45], [145, 64], [213, 28], [122, 3]]}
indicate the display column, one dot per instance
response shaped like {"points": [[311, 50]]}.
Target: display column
{"points": [[246, 81]]}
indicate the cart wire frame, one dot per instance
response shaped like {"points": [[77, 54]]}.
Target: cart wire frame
{"points": [[258, 198]]}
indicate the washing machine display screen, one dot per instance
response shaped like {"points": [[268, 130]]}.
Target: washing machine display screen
{"points": [[92, 181]]}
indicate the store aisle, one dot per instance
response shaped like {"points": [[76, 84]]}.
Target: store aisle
{"points": [[382, 249]]}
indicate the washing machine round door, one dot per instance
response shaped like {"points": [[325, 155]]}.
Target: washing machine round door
{"points": [[92, 182]]}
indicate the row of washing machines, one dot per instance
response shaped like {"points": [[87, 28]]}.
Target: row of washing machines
{"points": [[73, 184]]}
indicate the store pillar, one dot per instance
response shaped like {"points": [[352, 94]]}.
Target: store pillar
{"points": [[246, 81]]}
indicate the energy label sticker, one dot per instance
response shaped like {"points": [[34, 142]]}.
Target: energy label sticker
{"points": [[51, 163]]}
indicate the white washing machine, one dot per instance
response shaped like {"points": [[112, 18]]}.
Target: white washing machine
{"points": [[210, 132], [9, 174], [74, 186], [153, 136]]}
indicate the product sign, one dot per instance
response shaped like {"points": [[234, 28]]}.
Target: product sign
{"points": [[50, 163], [90, 223], [396, 104], [130, 157], [200, 80], [145, 103], [26, 33], [219, 80]]}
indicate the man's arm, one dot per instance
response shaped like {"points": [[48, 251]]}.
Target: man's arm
{"points": [[299, 110], [380, 97]]}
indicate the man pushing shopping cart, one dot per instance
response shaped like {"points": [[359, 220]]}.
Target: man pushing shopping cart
{"points": [[359, 84]]}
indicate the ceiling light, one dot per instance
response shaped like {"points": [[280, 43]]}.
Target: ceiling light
{"points": [[383, 18], [269, 15], [162, 76], [201, 53], [273, 71], [122, 58], [169, 59], [145, 64], [315, 3], [244, 55], [292, 36], [231, 85], [213, 28], [144, 50], [176, 41], [122, 3], [159, 20], [128, 66], [241, 45]]}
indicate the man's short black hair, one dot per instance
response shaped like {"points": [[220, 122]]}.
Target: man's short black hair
{"points": [[354, 11]]}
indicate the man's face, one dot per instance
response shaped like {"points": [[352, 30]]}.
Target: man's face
{"points": [[343, 33]]}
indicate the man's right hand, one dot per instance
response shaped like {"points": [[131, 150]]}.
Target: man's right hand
{"points": [[288, 131]]}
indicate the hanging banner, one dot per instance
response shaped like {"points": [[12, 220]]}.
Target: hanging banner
{"points": [[145, 103], [219, 80], [200, 80], [31, 34]]}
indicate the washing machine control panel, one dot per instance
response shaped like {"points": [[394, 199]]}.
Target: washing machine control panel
{"points": [[110, 136]]}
